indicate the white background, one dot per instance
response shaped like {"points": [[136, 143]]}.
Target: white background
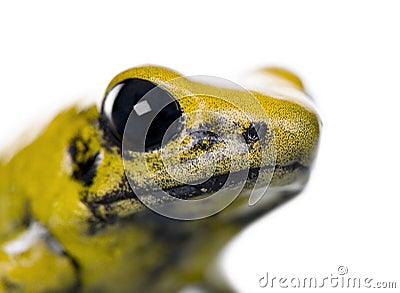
{"points": [[53, 53]]}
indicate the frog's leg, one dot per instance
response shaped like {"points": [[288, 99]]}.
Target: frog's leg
{"points": [[30, 259], [35, 262]]}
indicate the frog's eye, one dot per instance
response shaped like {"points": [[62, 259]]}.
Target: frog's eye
{"points": [[152, 109]]}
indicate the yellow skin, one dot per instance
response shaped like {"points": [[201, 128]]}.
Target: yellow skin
{"points": [[93, 244]]}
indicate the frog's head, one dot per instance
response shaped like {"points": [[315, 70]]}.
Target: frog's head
{"points": [[164, 138]]}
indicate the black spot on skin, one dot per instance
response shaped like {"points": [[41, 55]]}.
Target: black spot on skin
{"points": [[9, 285], [109, 139], [100, 208], [204, 140], [27, 216], [123, 191], [78, 272], [84, 170], [255, 132], [212, 185]]}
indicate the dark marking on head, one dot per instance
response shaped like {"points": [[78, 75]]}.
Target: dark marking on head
{"points": [[9, 285], [254, 132], [109, 139], [216, 182], [204, 139], [84, 163], [212, 185], [78, 272], [104, 215], [27, 216]]}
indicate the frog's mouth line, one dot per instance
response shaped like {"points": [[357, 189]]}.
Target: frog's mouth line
{"points": [[125, 193]]}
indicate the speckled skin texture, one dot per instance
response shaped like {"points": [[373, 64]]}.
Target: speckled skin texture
{"points": [[110, 241]]}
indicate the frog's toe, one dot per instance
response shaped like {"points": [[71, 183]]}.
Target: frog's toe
{"points": [[37, 269]]}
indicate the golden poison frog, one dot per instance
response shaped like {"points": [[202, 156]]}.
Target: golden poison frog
{"points": [[141, 193]]}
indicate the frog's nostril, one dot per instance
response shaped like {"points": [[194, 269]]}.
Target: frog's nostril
{"points": [[143, 112]]}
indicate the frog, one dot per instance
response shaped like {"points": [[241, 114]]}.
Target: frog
{"points": [[78, 211]]}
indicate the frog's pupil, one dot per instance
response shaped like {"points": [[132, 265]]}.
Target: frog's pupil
{"points": [[129, 100]]}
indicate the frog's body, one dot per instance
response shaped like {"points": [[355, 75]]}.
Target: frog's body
{"points": [[69, 219]]}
